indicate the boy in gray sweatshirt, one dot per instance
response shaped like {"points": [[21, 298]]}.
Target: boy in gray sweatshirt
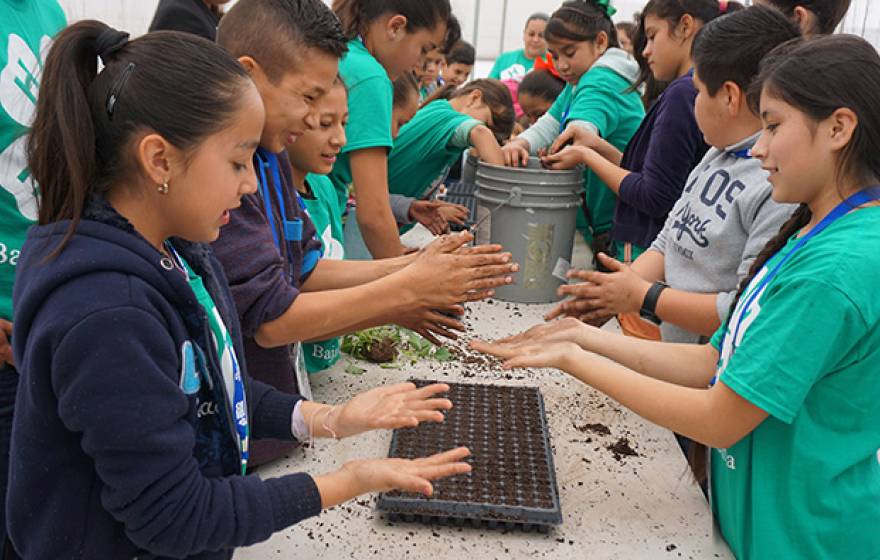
{"points": [[687, 279]]}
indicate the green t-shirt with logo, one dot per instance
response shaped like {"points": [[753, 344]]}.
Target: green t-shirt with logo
{"points": [[602, 98], [806, 482], [225, 349], [325, 212], [426, 148], [26, 31], [370, 100], [512, 65]]}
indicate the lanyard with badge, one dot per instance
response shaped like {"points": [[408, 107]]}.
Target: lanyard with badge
{"points": [[291, 230], [852, 202], [239, 398]]}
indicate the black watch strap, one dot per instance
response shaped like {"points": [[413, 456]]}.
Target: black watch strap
{"points": [[649, 305]]}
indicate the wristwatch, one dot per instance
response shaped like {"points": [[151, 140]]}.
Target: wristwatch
{"points": [[649, 305]]}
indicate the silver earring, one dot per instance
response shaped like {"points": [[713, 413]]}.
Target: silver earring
{"points": [[163, 188]]}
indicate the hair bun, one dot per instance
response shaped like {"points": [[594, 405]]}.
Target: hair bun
{"points": [[110, 41]]}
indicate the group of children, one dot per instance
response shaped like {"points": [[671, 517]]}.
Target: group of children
{"points": [[232, 207]]}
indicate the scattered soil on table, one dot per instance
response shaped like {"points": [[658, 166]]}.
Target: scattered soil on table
{"points": [[621, 448], [382, 351], [598, 429]]}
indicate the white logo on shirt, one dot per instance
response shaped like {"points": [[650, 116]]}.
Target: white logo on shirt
{"points": [[514, 72], [19, 83]]}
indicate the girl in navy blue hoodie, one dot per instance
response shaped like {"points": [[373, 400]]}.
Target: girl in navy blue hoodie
{"points": [[135, 410]]}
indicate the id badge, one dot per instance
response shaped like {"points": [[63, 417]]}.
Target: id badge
{"points": [[302, 374]]}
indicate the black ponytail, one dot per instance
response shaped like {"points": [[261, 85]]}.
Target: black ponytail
{"points": [[178, 85]]}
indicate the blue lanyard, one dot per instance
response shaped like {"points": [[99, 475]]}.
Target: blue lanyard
{"points": [[565, 115], [854, 201], [239, 400], [745, 153], [291, 230]]}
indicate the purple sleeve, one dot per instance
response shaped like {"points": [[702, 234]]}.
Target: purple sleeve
{"points": [[676, 145], [254, 267]]}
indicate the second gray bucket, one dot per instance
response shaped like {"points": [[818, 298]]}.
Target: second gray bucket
{"points": [[532, 212]]}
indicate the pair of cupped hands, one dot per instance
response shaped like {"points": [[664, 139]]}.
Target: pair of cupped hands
{"points": [[566, 152], [445, 275]]}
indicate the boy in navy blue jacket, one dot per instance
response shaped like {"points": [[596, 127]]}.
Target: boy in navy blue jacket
{"points": [[136, 414]]}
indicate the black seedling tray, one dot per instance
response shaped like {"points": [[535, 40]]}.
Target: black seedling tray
{"points": [[513, 481], [463, 193]]}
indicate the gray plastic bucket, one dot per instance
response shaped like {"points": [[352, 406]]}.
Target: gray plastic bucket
{"points": [[531, 212], [469, 172]]}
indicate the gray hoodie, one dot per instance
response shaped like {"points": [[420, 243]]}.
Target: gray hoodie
{"points": [[546, 129], [723, 219]]}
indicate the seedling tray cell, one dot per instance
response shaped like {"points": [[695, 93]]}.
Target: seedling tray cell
{"points": [[513, 480]]}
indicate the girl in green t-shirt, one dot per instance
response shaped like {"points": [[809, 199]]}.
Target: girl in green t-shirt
{"points": [[598, 97], [478, 115], [787, 392], [386, 39]]}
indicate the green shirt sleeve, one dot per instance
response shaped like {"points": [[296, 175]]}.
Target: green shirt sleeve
{"points": [[461, 138], [596, 101], [561, 104], [369, 121], [803, 329]]}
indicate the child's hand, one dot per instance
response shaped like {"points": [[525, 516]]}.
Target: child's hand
{"points": [[565, 330], [577, 136], [433, 323], [409, 475], [390, 407], [428, 214], [444, 275], [454, 213], [606, 294], [5, 345], [515, 154], [558, 355], [569, 158]]}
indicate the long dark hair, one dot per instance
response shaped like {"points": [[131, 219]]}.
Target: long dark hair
{"points": [[581, 20], [653, 87], [181, 86], [829, 13], [356, 15], [542, 84], [495, 95], [672, 11], [808, 76]]}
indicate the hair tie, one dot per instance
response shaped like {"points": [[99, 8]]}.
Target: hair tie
{"points": [[722, 6], [109, 41], [606, 6]]}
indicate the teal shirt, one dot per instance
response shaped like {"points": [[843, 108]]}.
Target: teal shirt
{"points": [[601, 97], [512, 65], [325, 212], [426, 148], [806, 482], [26, 31], [370, 99]]}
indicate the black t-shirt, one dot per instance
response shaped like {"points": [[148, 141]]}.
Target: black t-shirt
{"points": [[189, 16]]}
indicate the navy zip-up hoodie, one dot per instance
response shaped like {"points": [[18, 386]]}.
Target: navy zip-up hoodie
{"points": [[115, 452]]}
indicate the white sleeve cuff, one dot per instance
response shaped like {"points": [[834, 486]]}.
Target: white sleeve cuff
{"points": [[298, 423]]}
